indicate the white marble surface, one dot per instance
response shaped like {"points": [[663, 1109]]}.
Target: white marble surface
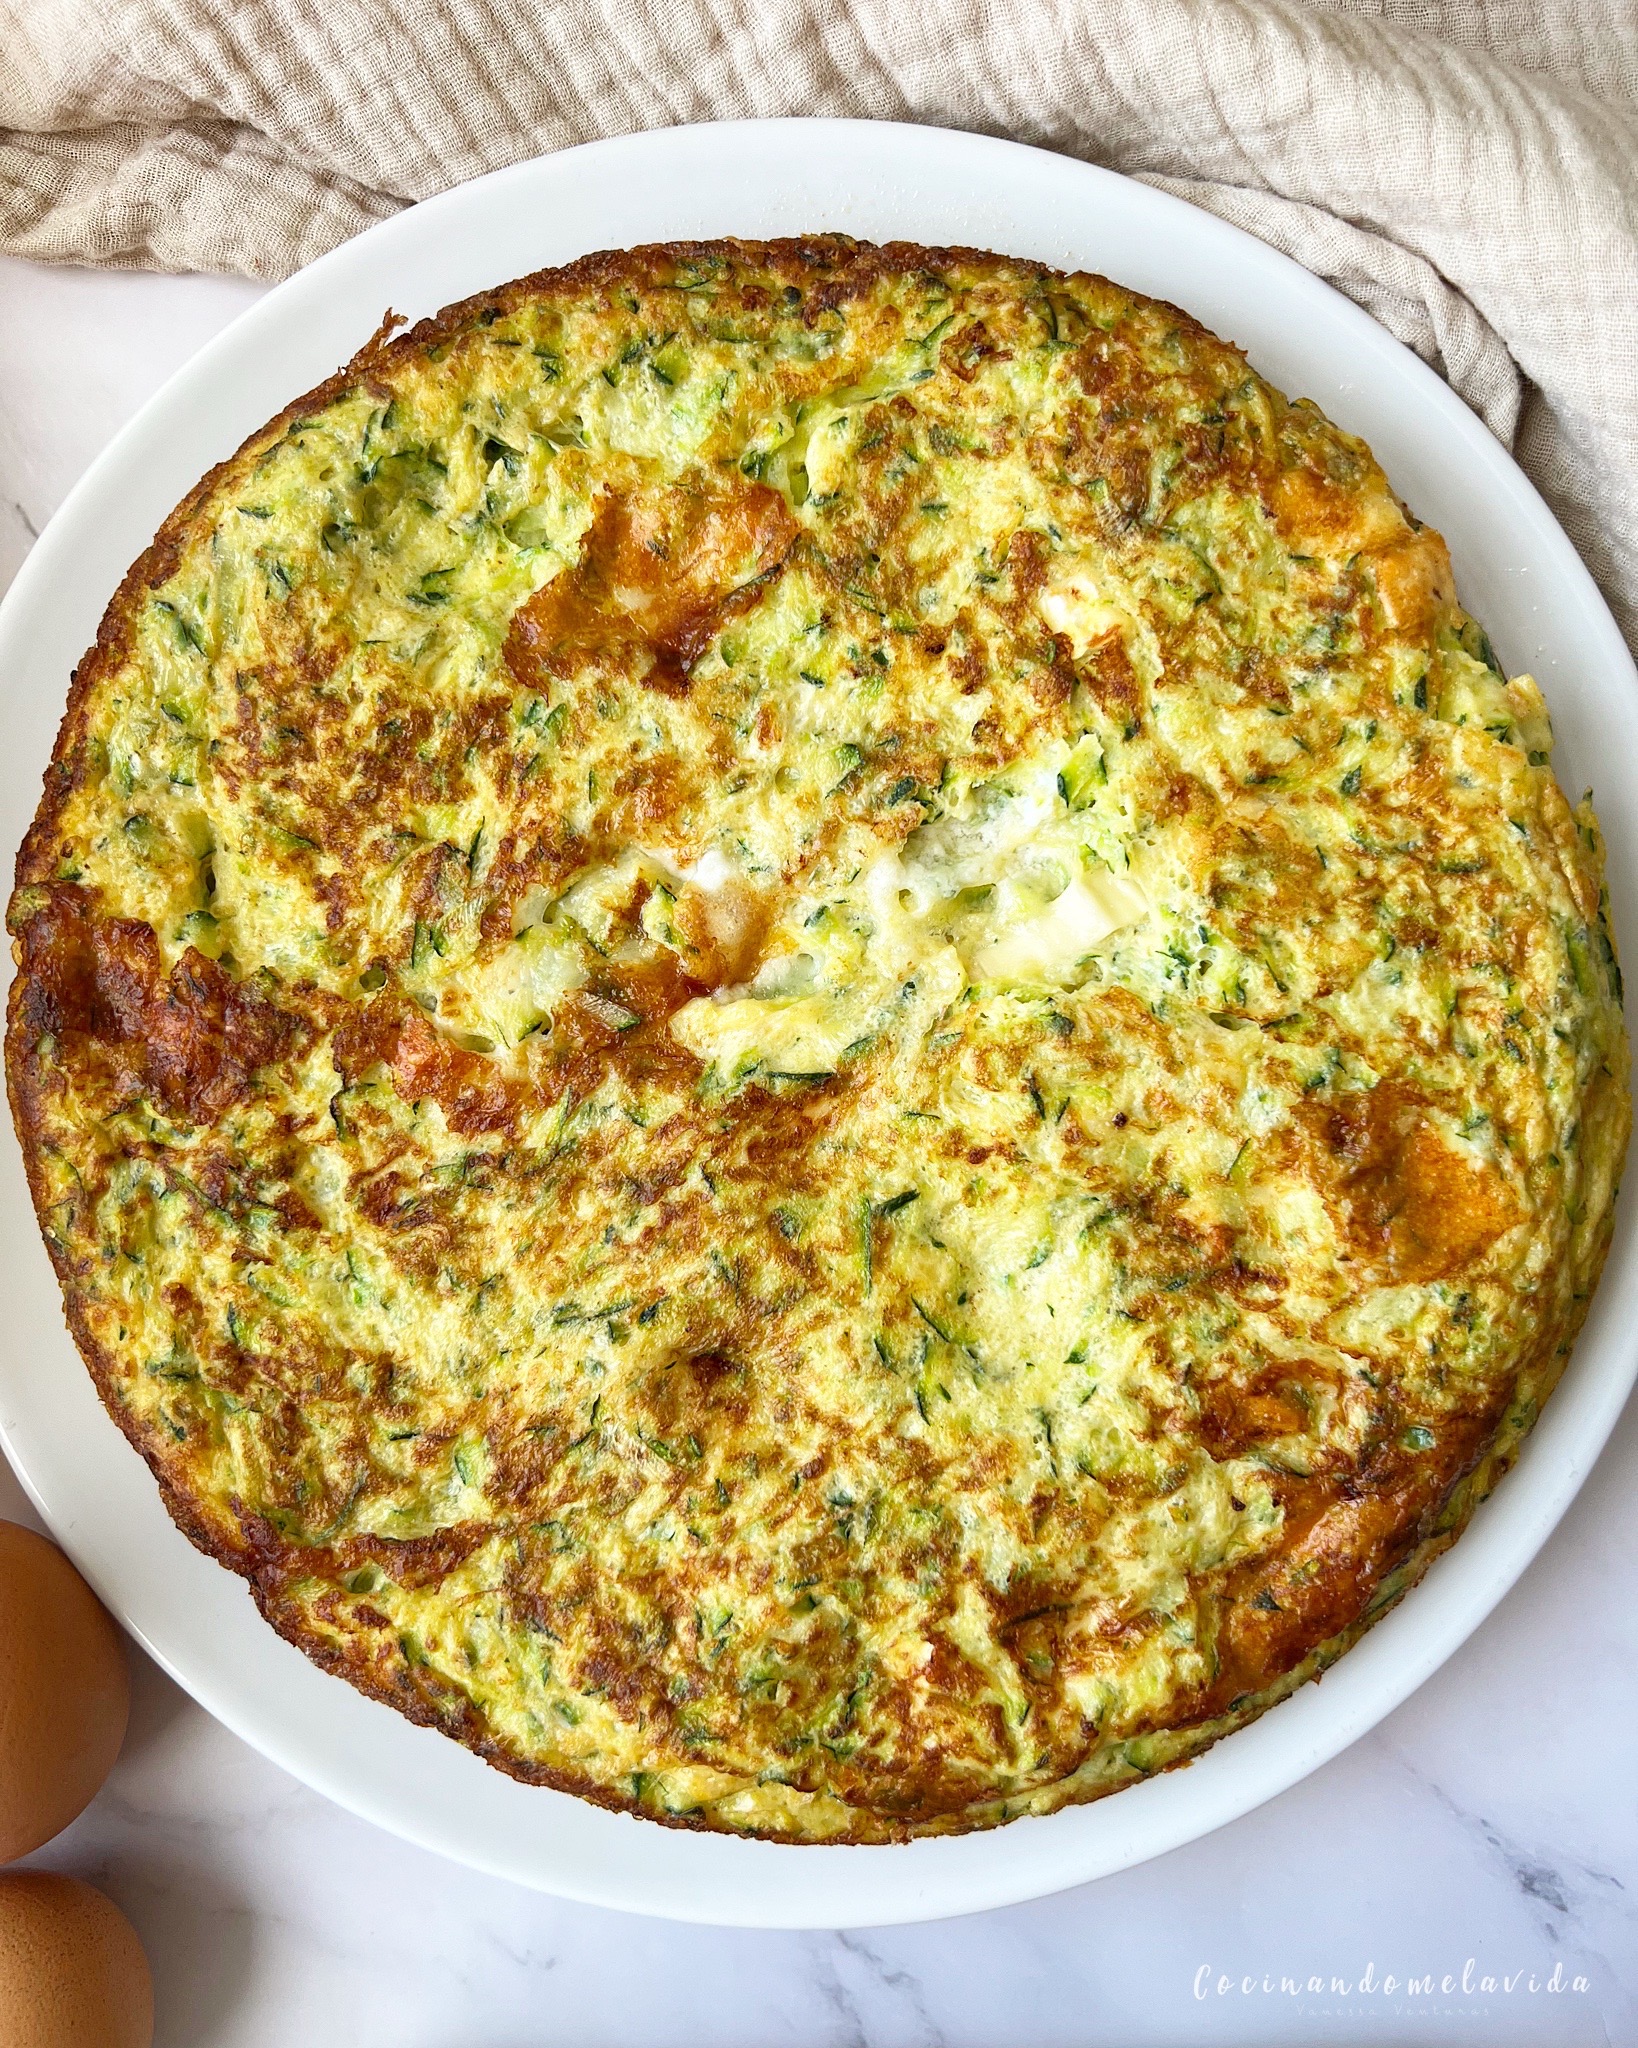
{"points": [[1492, 1822]]}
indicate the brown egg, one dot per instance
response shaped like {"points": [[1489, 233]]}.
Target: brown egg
{"points": [[72, 1972], [64, 1692]]}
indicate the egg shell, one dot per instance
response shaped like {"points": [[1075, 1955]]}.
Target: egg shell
{"points": [[72, 1972], [65, 1692]]}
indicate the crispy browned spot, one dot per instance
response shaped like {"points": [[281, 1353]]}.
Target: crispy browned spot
{"points": [[1055, 683], [656, 572], [474, 1096], [594, 1030], [1408, 1199], [1027, 559], [471, 1090], [653, 988], [234, 1187], [696, 1396], [1106, 671], [1281, 1400], [617, 1021], [419, 1218], [1414, 580], [1317, 514], [1342, 1535], [194, 1038], [724, 929], [411, 1561], [1338, 1543], [965, 352]]}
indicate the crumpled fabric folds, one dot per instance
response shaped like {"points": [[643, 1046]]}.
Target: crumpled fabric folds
{"points": [[1467, 170]]}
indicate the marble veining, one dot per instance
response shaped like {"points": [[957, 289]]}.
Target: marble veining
{"points": [[1486, 1834]]}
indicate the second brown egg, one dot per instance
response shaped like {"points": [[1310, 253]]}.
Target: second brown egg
{"points": [[64, 1692]]}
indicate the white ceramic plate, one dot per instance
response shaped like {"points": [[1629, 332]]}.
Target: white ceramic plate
{"points": [[1517, 572]]}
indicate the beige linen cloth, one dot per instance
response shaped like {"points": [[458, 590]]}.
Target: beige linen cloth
{"points": [[1467, 171]]}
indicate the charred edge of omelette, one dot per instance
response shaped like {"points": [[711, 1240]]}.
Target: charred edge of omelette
{"points": [[1408, 1195]]}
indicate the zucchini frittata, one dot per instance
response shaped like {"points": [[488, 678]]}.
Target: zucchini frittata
{"points": [[802, 1028]]}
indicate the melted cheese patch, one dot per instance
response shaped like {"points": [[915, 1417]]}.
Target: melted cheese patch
{"points": [[1081, 606], [1011, 894]]}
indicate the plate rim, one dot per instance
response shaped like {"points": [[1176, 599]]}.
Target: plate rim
{"points": [[725, 1880]]}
